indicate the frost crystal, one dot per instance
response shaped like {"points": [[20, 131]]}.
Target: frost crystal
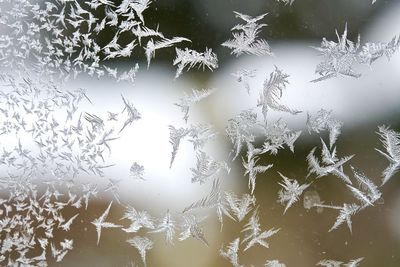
{"points": [[142, 244], [239, 130], [137, 171], [333, 263], [198, 134], [138, 220], [391, 143], [190, 58], [190, 228], [206, 168], [194, 97], [231, 252], [245, 37], [345, 214], [331, 164], [214, 199], [254, 233], [240, 207], [274, 263], [243, 75], [272, 93], [291, 191], [251, 167], [101, 223], [132, 112], [322, 121], [167, 226], [368, 193], [277, 135]]}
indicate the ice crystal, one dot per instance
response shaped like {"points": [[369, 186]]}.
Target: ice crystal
{"points": [[138, 220], [137, 171], [243, 75], [213, 200], [291, 191], [187, 100], [198, 135], [274, 263], [330, 164], [240, 130], [231, 252], [346, 211], [240, 206], [151, 47], [254, 235], [251, 167], [206, 168], [190, 58], [322, 121], [167, 226], [245, 37], [334, 263], [175, 137], [368, 193], [100, 223], [132, 112], [390, 140], [142, 244], [191, 228], [277, 135], [272, 93]]}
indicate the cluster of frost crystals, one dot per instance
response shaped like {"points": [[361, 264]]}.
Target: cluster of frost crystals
{"points": [[54, 140], [62, 38], [245, 37], [341, 56]]}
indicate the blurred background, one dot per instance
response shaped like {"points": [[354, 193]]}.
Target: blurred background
{"points": [[362, 104]]}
